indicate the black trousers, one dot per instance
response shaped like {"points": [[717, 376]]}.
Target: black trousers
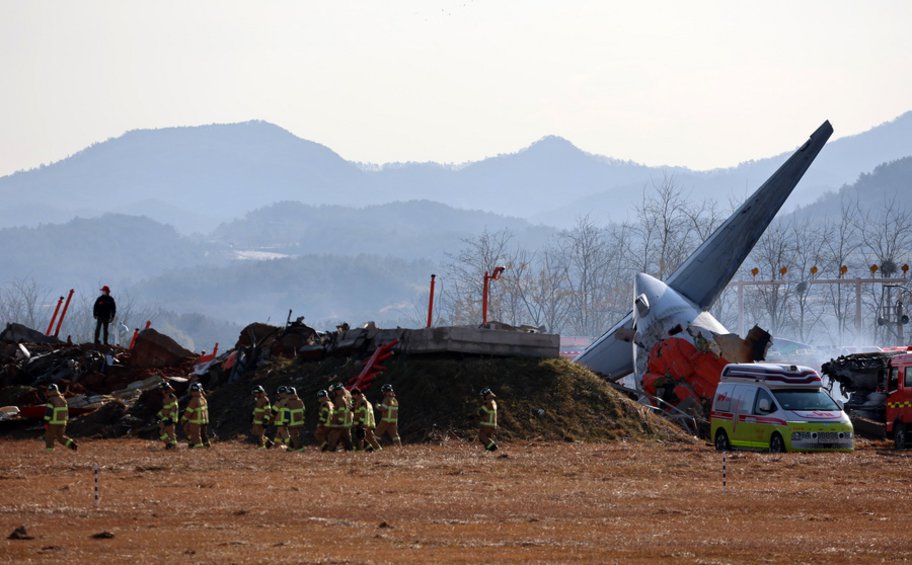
{"points": [[98, 325]]}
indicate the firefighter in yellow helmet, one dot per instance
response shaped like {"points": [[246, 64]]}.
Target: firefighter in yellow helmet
{"points": [[196, 415], [262, 413], [324, 419], [487, 419], [295, 407], [341, 423], [280, 417], [56, 414], [168, 416], [389, 416], [364, 422]]}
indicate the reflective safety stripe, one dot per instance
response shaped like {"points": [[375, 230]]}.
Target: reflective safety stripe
{"points": [[295, 417], [340, 418], [169, 410], [281, 418], [390, 413], [364, 415], [260, 414], [489, 420], [56, 415], [198, 415], [907, 404], [325, 415]]}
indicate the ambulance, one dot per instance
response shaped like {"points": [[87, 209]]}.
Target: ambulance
{"points": [[777, 407]]}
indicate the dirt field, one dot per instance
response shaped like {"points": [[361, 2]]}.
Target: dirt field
{"points": [[528, 502]]}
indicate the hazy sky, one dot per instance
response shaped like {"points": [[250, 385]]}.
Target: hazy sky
{"points": [[695, 83]]}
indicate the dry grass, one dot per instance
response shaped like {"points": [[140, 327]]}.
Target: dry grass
{"points": [[529, 502]]}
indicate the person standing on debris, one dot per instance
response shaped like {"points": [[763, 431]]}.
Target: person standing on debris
{"points": [[56, 414], [295, 407], [104, 310], [280, 417], [389, 416], [324, 419], [487, 419], [262, 412], [168, 416], [340, 425], [364, 422], [196, 415]]}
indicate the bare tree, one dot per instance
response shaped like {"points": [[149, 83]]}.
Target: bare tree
{"points": [[464, 275], [539, 283], [886, 235], [23, 301], [773, 253], [840, 241]]}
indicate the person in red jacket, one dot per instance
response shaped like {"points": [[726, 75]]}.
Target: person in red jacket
{"points": [[104, 311]]}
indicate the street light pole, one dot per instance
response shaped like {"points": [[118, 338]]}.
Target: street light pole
{"points": [[485, 291]]}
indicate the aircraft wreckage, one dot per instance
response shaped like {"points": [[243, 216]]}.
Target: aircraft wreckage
{"points": [[674, 348]]}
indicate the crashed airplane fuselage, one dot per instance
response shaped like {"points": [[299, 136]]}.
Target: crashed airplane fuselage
{"points": [[678, 348]]}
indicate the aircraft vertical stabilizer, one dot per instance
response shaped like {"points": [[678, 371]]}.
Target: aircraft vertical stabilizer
{"points": [[709, 269]]}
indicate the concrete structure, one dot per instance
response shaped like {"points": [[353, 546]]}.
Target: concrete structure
{"points": [[479, 341]]}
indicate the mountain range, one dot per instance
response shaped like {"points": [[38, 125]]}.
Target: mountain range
{"points": [[172, 216], [195, 178]]}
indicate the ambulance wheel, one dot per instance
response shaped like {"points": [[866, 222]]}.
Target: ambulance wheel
{"points": [[777, 445], [722, 443], [900, 436]]}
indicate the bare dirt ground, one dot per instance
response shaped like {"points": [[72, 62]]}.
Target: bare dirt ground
{"points": [[453, 503]]}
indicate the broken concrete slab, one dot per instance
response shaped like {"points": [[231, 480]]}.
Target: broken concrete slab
{"points": [[154, 350]]}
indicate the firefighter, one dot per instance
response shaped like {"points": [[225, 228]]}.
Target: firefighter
{"points": [[389, 416], [196, 415], [262, 413], [168, 416], [487, 419], [364, 422], [280, 417], [204, 427], [295, 407], [56, 414], [324, 419], [340, 425]]}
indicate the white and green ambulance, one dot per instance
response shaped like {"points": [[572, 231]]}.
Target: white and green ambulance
{"points": [[777, 407]]}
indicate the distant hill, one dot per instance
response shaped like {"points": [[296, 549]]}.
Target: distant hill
{"points": [[197, 177], [112, 249], [355, 263], [326, 289], [415, 229], [192, 177], [888, 184], [840, 163]]}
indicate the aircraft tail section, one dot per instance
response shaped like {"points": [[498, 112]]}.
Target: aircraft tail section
{"points": [[710, 268]]}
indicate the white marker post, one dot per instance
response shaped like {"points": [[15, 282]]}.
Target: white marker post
{"points": [[97, 472], [723, 472]]}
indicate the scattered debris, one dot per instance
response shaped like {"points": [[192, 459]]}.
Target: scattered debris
{"points": [[20, 533], [113, 391]]}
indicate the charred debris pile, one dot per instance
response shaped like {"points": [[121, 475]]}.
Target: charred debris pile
{"points": [[113, 391]]}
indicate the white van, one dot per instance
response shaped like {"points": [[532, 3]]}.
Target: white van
{"points": [[777, 407]]}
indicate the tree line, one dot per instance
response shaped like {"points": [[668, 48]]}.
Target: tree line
{"points": [[582, 282]]}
